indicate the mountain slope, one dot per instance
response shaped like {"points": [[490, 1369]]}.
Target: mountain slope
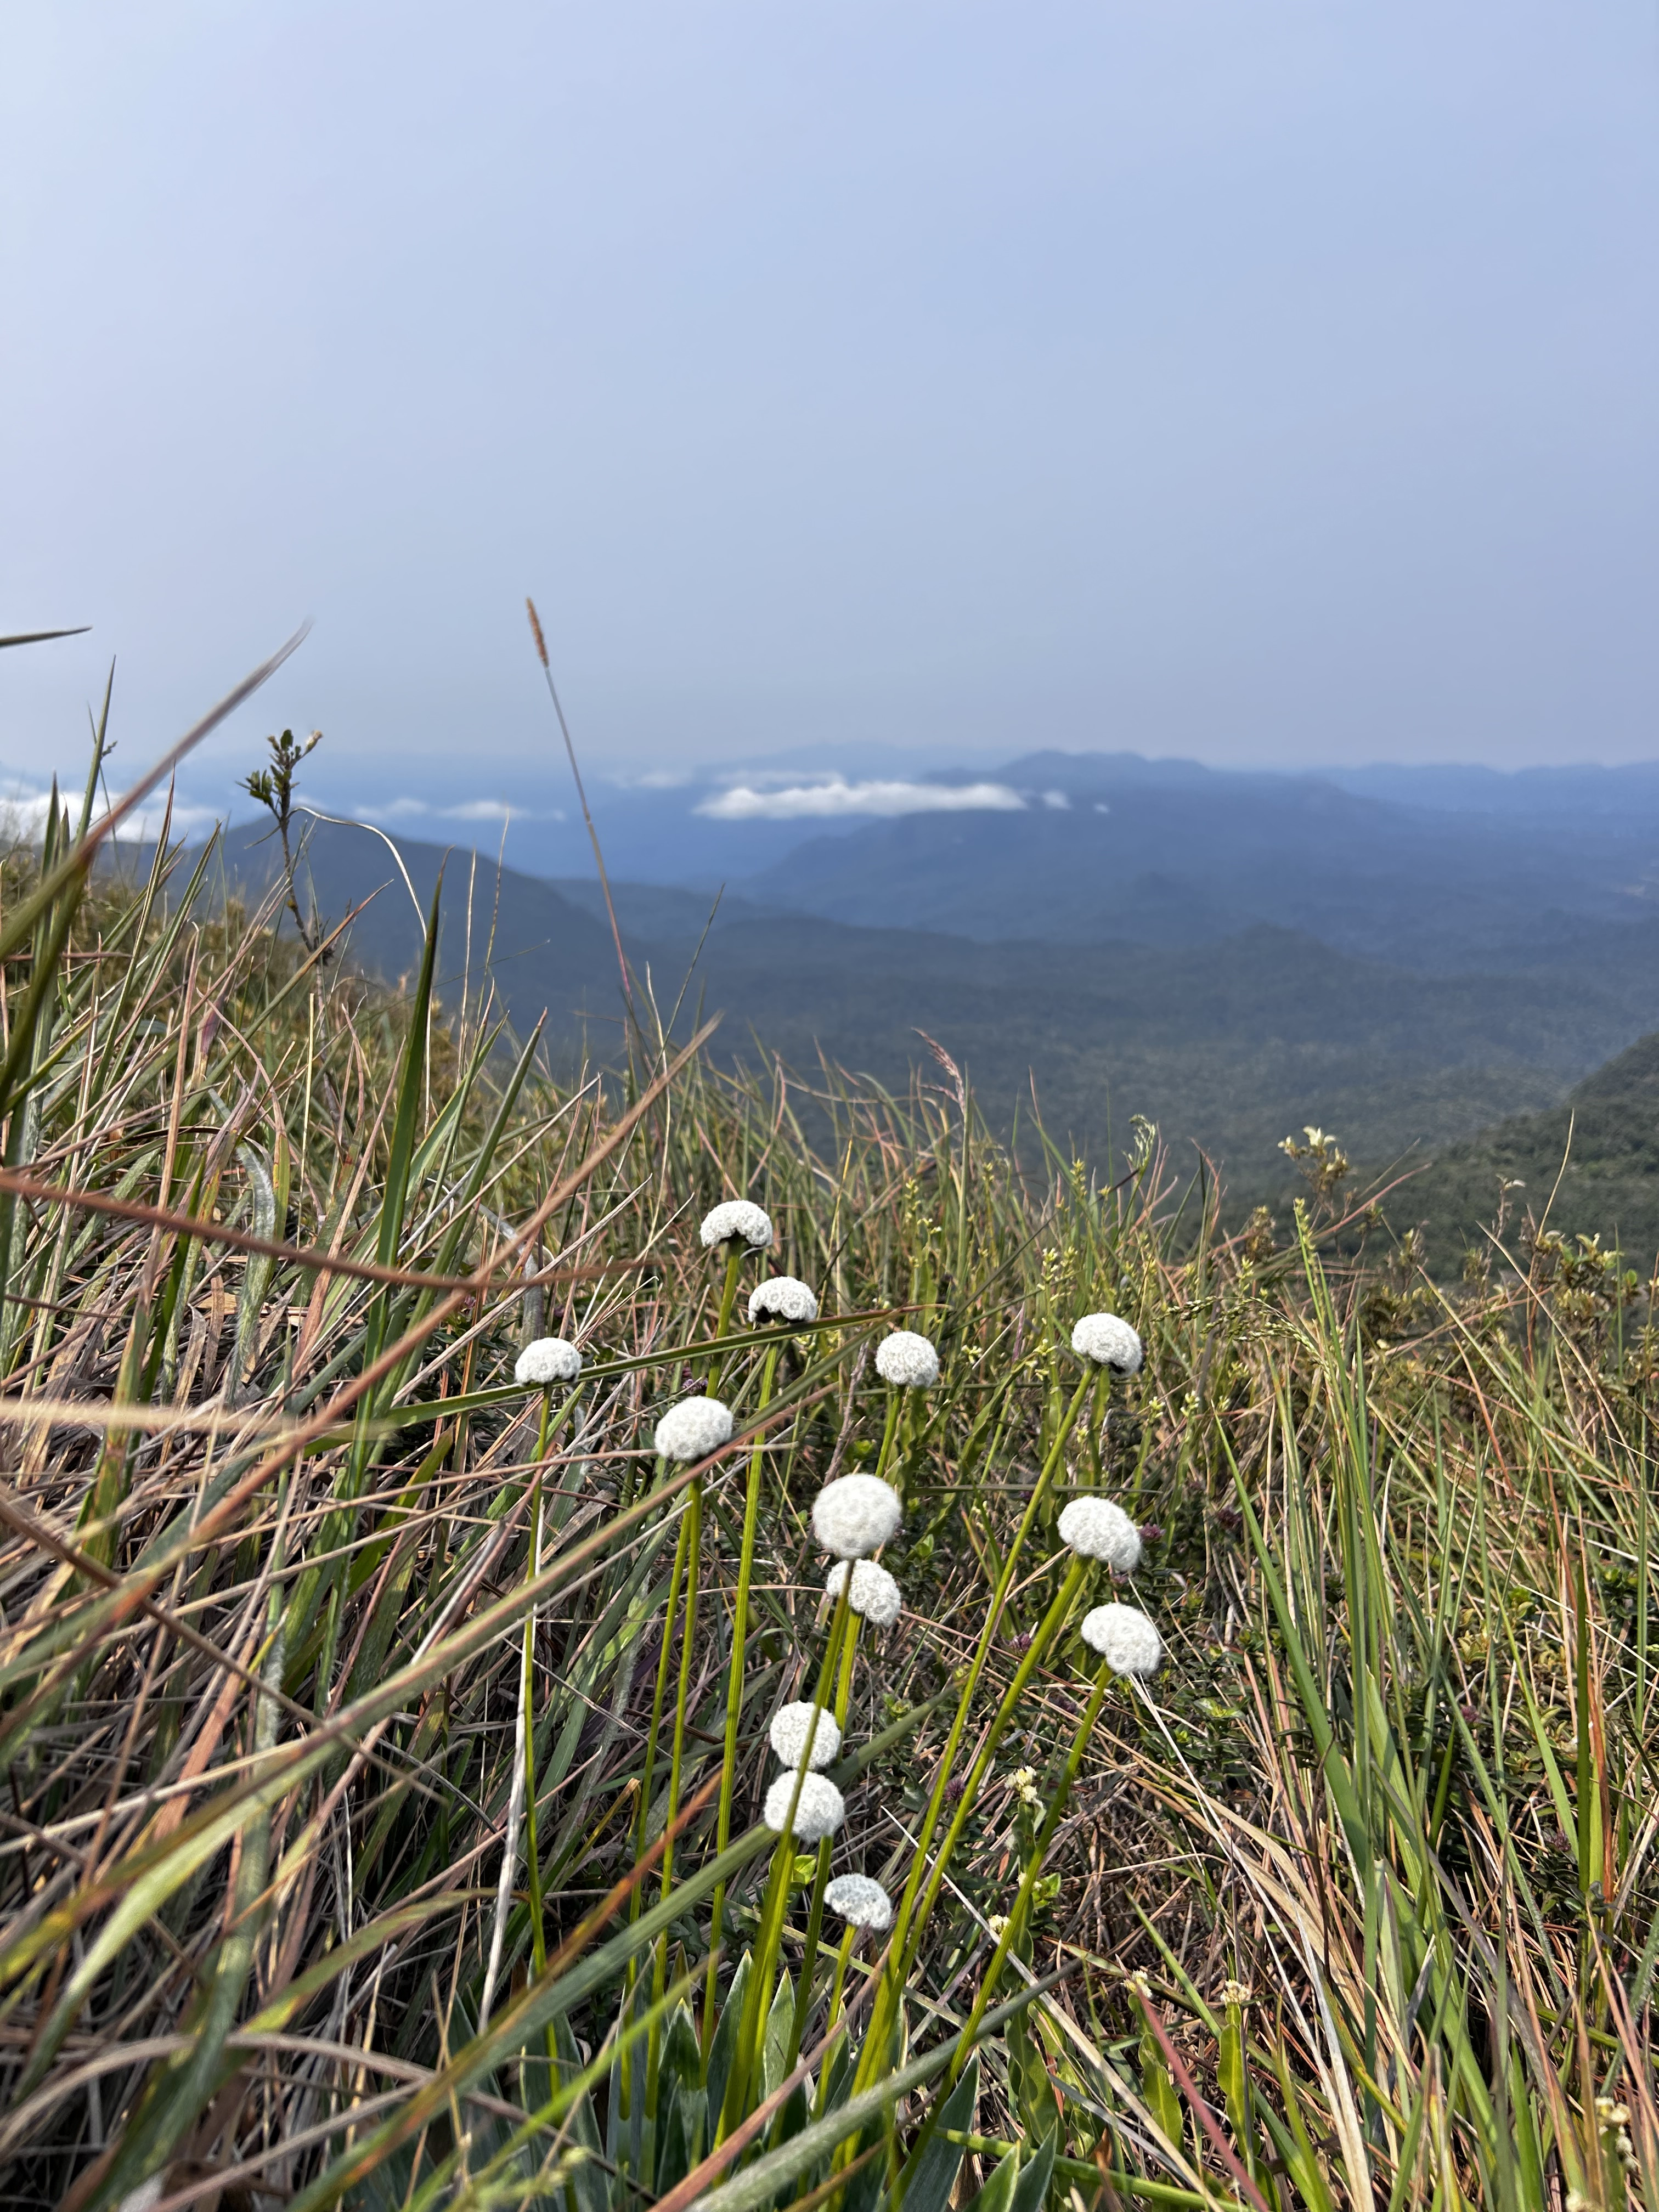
{"points": [[1588, 1166], [1227, 1046]]}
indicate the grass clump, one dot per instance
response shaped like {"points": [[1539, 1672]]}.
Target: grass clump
{"points": [[394, 1812]]}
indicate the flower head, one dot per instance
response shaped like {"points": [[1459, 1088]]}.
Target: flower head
{"points": [[855, 1515], [1125, 1639], [1096, 1529], [735, 1220], [907, 1361], [1108, 1342], [875, 1594], [860, 1900], [549, 1359], [790, 1725], [693, 1429], [781, 1297], [819, 1810]]}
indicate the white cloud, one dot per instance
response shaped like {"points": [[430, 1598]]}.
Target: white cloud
{"points": [[1058, 799], [835, 796], [470, 810], [24, 814]]}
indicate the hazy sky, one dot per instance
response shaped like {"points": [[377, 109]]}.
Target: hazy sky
{"points": [[1272, 380]]}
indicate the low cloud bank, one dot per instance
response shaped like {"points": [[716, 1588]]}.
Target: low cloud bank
{"points": [[835, 796]]}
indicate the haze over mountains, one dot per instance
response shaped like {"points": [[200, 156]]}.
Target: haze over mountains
{"points": [[1404, 957]]}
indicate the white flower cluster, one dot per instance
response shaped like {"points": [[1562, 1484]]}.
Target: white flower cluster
{"points": [[855, 1515], [1095, 1528], [693, 1429], [735, 1220], [790, 1725], [549, 1359], [907, 1361], [819, 1810], [1109, 1341], [1125, 1639], [781, 1297], [875, 1594], [865, 1903]]}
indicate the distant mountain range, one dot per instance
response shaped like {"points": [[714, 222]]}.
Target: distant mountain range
{"points": [[1439, 868], [1231, 955]]}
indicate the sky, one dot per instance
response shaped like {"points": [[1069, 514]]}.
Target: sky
{"points": [[856, 387]]}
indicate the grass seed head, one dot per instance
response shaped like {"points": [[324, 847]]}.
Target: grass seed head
{"points": [[693, 1429], [549, 1359], [1109, 1341], [736, 1220], [819, 1811], [855, 1515], [791, 1725], [875, 1594], [1095, 1528], [907, 1361], [1125, 1639]]}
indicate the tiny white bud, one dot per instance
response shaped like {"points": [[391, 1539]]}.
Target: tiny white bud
{"points": [[855, 1515], [1095, 1528], [875, 1594], [735, 1220], [907, 1361], [789, 1726], [781, 1297], [1124, 1638], [819, 1810], [693, 1429], [549, 1359], [860, 1900], [1109, 1341]]}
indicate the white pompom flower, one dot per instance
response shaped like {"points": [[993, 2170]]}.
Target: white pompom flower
{"points": [[1095, 1528], [865, 1903], [790, 1724], [781, 1297], [855, 1515], [549, 1359], [1109, 1341], [907, 1361], [693, 1429], [819, 1810], [1125, 1639], [875, 1594], [736, 1221]]}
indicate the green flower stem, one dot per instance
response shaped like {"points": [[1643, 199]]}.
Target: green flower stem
{"points": [[1097, 1413], [1085, 1729], [758, 1996], [1053, 1622], [874, 2041], [837, 1983], [734, 1252], [693, 1531], [734, 1682], [693, 1575], [815, 1916], [895, 1405], [643, 1810]]}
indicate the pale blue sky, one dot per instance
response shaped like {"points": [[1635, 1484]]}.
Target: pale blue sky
{"points": [[1270, 381]]}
